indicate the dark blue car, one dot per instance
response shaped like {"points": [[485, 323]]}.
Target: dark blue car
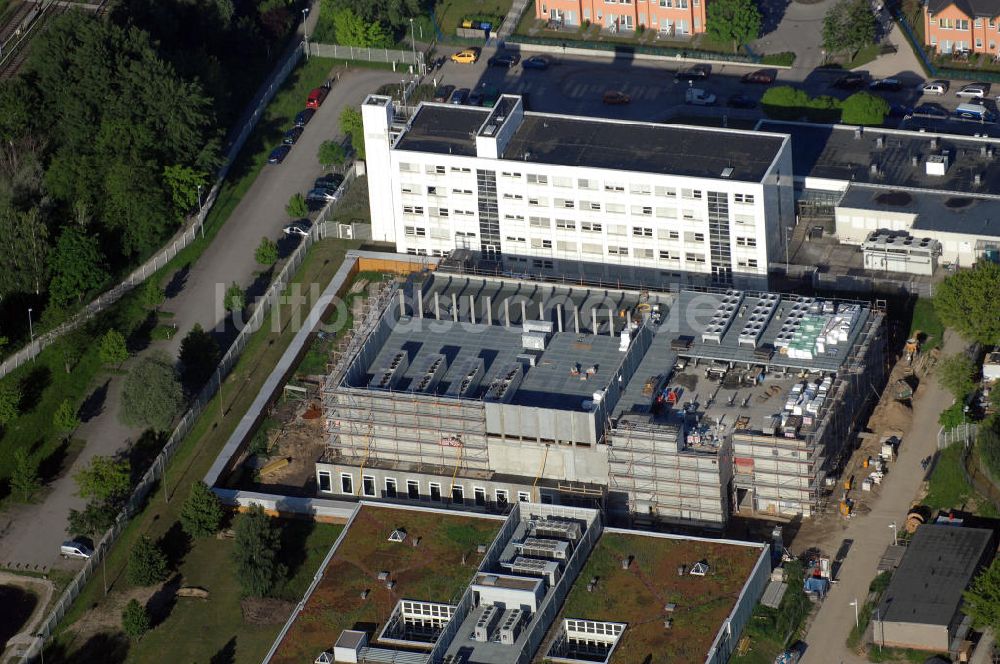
{"points": [[536, 62], [278, 154], [304, 116]]}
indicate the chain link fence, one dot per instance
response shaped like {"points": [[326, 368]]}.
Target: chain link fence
{"points": [[247, 124], [157, 469], [411, 57]]}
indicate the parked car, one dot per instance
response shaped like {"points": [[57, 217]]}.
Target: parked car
{"points": [[698, 97], [292, 136], [476, 98], [301, 228], [886, 84], [762, 76], [740, 100], [443, 93], [938, 87], [303, 117], [278, 154], [616, 98], [536, 62], [467, 56], [507, 60], [900, 111], [329, 181], [694, 73], [317, 96], [931, 111], [851, 81], [322, 194], [459, 96], [75, 549], [974, 90]]}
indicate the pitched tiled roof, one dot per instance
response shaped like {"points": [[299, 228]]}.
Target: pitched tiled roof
{"points": [[973, 8]]}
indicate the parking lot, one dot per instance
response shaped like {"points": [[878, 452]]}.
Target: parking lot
{"points": [[576, 85]]}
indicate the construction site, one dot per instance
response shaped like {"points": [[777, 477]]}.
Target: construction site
{"points": [[682, 407]]}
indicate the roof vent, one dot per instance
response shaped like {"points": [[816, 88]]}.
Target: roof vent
{"points": [[727, 172], [873, 169], [977, 179], [914, 161], [857, 133], [937, 164], [934, 142], [880, 142]]}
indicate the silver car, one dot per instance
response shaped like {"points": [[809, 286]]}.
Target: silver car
{"points": [[974, 91], [935, 88]]}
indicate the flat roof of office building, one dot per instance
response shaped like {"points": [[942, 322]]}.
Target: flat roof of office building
{"points": [[837, 152], [704, 152], [941, 212], [438, 570], [938, 565]]}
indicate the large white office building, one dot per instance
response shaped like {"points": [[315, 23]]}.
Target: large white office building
{"points": [[567, 195]]}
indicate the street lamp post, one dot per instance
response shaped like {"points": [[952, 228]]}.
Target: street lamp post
{"points": [[857, 621], [413, 43], [31, 331], [892, 526], [202, 225], [305, 30]]}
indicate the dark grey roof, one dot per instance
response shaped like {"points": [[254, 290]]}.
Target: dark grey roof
{"points": [[986, 8], [825, 151], [946, 213], [645, 147], [597, 143], [445, 129], [938, 565]]}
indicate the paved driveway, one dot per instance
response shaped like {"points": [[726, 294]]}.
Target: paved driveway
{"points": [[31, 534]]}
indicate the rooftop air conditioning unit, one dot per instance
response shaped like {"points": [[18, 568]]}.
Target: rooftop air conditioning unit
{"points": [[937, 164]]}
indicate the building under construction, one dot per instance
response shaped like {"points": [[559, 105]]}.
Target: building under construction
{"points": [[673, 406]]}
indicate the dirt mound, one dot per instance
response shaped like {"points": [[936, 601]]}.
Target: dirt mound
{"points": [[891, 418], [265, 611]]}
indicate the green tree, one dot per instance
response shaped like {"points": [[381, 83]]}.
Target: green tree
{"points": [[198, 355], [105, 480], [77, 266], [10, 402], [18, 104], [183, 183], [202, 514], [297, 207], [111, 349], [147, 564], [24, 480], [152, 396], [352, 125], [92, 520], [266, 252], [863, 108], [235, 298], [255, 553], [350, 29], [151, 295], [982, 599], [65, 418], [24, 253], [331, 153], [956, 374], [848, 27], [735, 21], [135, 620], [967, 302]]}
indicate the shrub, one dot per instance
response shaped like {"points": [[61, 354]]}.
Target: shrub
{"points": [[201, 515], [255, 553], [135, 620], [147, 565], [152, 396], [863, 108], [783, 59]]}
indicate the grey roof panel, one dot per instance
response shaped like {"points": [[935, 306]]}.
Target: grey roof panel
{"points": [[947, 213]]}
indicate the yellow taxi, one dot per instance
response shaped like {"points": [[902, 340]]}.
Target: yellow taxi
{"points": [[466, 57]]}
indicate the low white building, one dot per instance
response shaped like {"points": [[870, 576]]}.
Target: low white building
{"points": [[573, 195]]}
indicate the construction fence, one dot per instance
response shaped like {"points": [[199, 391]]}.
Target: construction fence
{"points": [[157, 470], [247, 124], [408, 58]]}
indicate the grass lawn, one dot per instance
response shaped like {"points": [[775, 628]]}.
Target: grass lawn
{"points": [[196, 630], [432, 572], [354, 206], [762, 650], [948, 487], [197, 453], [926, 322], [450, 13], [864, 56]]}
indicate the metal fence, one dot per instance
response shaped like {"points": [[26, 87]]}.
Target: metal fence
{"points": [[927, 62], [157, 469], [388, 55], [629, 49], [247, 123], [963, 433]]}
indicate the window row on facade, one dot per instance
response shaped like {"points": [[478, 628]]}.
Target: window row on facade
{"points": [[414, 490]]}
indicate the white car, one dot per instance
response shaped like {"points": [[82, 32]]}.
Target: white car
{"points": [[698, 97], [74, 549], [934, 88], [298, 228], [974, 91]]}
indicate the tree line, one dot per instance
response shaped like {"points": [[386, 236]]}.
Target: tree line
{"points": [[111, 133]]}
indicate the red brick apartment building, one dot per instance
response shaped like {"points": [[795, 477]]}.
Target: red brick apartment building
{"points": [[670, 18], [954, 26]]}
